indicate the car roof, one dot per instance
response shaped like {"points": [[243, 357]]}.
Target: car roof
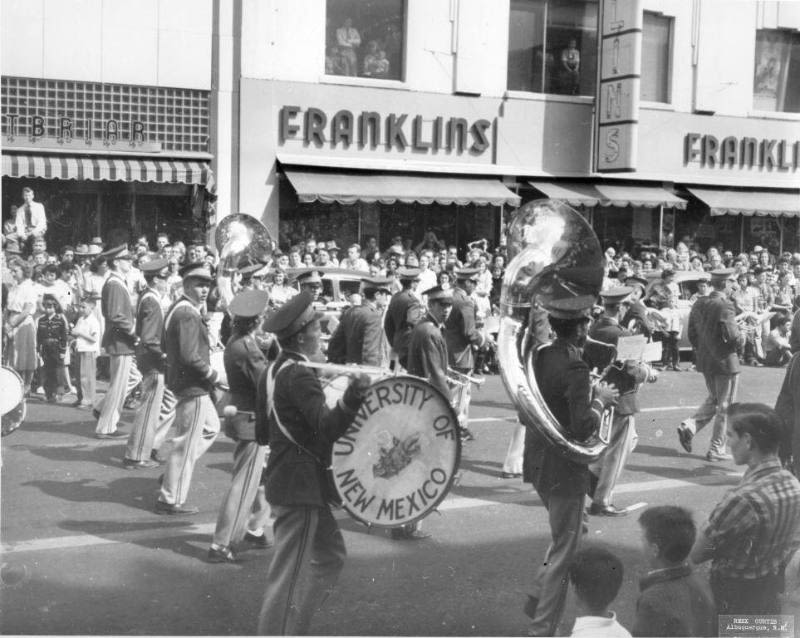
{"points": [[680, 276], [329, 272]]}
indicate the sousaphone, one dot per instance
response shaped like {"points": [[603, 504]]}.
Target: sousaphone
{"points": [[241, 237]]}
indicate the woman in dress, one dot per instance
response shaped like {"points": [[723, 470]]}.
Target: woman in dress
{"points": [[281, 291], [19, 324]]}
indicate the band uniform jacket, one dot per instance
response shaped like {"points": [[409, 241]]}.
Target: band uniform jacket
{"points": [[115, 304], [295, 476], [564, 381], [149, 328], [357, 338], [186, 343], [460, 331], [609, 331], [717, 335], [403, 313], [244, 364], [427, 354]]}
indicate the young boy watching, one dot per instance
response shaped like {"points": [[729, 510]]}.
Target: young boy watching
{"points": [[87, 346], [596, 575], [673, 600]]}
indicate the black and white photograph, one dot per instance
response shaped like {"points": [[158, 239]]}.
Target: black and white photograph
{"points": [[400, 318]]}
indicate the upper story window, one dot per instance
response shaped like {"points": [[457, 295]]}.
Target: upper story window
{"points": [[365, 39], [776, 84], [656, 42], [552, 46]]}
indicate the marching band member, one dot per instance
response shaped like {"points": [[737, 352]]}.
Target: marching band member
{"points": [[608, 469], [461, 335], [119, 341], [244, 365], [562, 484], [292, 416], [404, 312], [157, 409], [191, 379]]}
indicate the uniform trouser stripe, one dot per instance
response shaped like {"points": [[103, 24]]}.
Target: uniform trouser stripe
{"points": [[140, 442], [248, 460], [111, 406]]}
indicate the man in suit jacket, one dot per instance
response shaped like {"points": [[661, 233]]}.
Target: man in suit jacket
{"points": [[359, 336], [404, 312], [119, 341], [462, 335], [714, 332], [788, 408]]}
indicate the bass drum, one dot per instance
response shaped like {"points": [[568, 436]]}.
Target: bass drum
{"points": [[398, 459], [12, 400]]}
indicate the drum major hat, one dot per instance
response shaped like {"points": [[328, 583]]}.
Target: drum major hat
{"points": [[616, 295], [377, 283], [571, 307], [440, 294], [196, 269], [292, 316], [308, 277], [408, 274], [249, 303], [120, 252], [154, 267], [722, 274], [467, 274]]}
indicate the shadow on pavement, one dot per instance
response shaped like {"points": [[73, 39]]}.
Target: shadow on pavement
{"points": [[137, 492]]}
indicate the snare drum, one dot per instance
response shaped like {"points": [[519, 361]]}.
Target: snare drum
{"points": [[398, 459], [12, 400]]}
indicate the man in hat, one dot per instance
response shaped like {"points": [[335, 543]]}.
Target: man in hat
{"points": [[310, 282], [565, 382], [191, 378], [157, 410], [714, 333], [244, 365], [607, 330], [404, 312], [462, 335], [359, 336], [293, 417], [333, 251], [119, 341]]}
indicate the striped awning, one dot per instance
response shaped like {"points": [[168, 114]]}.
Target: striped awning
{"points": [[581, 194], [740, 202], [114, 169]]}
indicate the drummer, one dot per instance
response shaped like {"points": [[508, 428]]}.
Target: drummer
{"points": [[292, 416]]}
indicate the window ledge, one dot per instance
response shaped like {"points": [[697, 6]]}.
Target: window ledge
{"points": [[347, 80], [656, 106], [549, 97], [773, 115]]}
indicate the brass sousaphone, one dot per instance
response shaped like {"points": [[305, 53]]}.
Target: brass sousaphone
{"points": [[553, 253], [241, 237]]}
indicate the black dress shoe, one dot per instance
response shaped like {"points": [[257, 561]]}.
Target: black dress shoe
{"points": [[403, 534], [130, 464], [155, 456], [685, 437], [510, 475], [96, 414], [116, 434], [260, 542], [221, 555], [173, 509], [606, 510]]}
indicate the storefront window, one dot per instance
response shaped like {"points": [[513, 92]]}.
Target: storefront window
{"points": [[776, 85], [656, 39], [365, 39], [553, 46]]}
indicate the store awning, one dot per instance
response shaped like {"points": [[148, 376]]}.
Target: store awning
{"points": [[579, 194], [739, 202], [349, 188], [113, 169]]}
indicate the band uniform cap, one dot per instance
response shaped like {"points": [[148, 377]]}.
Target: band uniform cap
{"points": [[467, 274], [377, 283], [292, 316], [408, 274], [196, 269], [440, 293], [119, 252], [247, 271], [636, 281], [94, 249], [82, 249], [722, 274], [570, 307], [154, 266], [249, 303], [616, 295], [331, 245], [309, 277]]}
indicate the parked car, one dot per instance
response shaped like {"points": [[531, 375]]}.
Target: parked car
{"points": [[687, 281]]}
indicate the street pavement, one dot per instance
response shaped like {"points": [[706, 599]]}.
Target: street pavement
{"points": [[83, 553]]}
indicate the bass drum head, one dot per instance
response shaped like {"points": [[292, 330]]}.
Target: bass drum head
{"points": [[398, 458], [12, 400]]}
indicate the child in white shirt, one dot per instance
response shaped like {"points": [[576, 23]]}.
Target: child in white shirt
{"points": [[87, 347], [596, 575], [672, 326]]}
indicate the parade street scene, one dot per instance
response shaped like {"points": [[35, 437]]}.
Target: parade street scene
{"points": [[400, 318]]}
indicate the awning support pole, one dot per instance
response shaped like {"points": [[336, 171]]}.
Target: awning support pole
{"points": [[780, 235], [741, 233], [660, 226]]}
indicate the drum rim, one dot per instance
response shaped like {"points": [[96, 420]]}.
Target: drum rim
{"points": [[22, 405], [21, 388], [448, 485]]}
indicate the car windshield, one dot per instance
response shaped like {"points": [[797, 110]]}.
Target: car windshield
{"points": [[347, 288]]}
